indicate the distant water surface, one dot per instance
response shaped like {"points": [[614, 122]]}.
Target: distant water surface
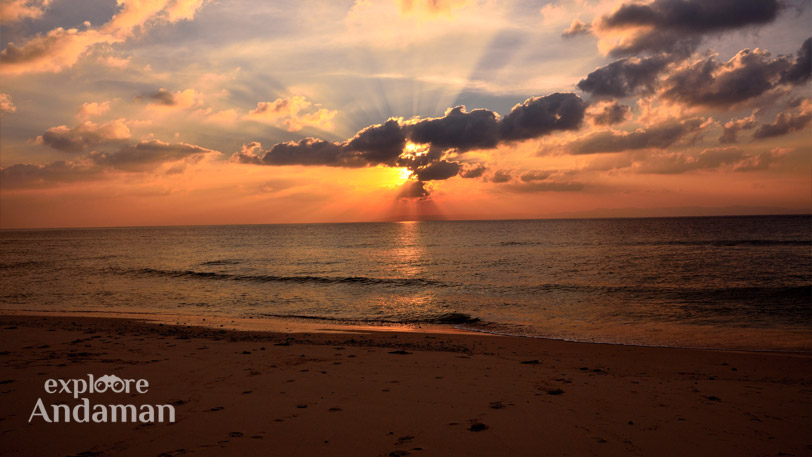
{"points": [[724, 282]]}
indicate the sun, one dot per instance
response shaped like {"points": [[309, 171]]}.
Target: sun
{"points": [[403, 175]]}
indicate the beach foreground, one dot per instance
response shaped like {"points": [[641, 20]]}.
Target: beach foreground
{"points": [[380, 392]]}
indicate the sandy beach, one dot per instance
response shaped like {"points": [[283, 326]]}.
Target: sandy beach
{"points": [[313, 390]]}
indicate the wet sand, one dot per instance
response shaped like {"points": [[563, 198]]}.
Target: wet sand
{"points": [[307, 389]]}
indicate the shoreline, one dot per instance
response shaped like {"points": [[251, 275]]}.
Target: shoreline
{"points": [[298, 324], [275, 324], [380, 392]]}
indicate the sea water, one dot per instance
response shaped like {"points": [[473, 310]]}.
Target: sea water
{"points": [[721, 282]]}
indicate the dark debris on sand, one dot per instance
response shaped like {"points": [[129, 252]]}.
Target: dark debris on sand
{"points": [[477, 427]]}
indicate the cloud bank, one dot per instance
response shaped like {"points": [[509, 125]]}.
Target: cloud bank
{"points": [[457, 132]]}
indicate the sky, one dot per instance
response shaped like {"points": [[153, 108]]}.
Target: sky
{"points": [[188, 112]]}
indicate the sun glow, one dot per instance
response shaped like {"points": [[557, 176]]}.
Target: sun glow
{"points": [[403, 175], [412, 150]]}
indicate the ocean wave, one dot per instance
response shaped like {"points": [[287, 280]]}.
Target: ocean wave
{"points": [[221, 262], [22, 264], [439, 319], [518, 243], [754, 242], [716, 292], [715, 243], [304, 279]]}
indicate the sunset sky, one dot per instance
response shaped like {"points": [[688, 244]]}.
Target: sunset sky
{"points": [[175, 112]]}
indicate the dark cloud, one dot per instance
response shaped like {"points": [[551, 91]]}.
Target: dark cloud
{"points": [[424, 158], [801, 69], [413, 189], [665, 162], [539, 116], [657, 136], [732, 127], [757, 163], [625, 77], [798, 101], [382, 143], [437, 171], [143, 156], [438, 139], [676, 45], [32, 176], [535, 175], [501, 176], [576, 28], [312, 151], [473, 171], [458, 130], [85, 135], [38, 47], [675, 163], [784, 124], [161, 97], [532, 181], [711, 83], [249, 153], [609, 113], [677, 26], [307, 152], [704, 82], [138, 157], [147, 155], [669, 31]]}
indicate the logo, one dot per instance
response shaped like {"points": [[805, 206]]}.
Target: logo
{"points": [[84, 411], [115, 384]]}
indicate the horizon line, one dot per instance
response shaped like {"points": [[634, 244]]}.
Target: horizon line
{"points": [[397, 221]]}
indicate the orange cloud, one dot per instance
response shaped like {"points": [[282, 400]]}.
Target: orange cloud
{"points": [[91, 109], [151, 154], [52, 52], [6, 105], [17, 10], [61, 48], [114, 62], [285, 113], [145, 157], [163, 99], [223, 117], [183, 9], [136, 14], [84, 136], [576, 28]]}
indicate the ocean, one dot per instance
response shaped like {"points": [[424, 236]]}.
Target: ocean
{"points": [[705, 282]]}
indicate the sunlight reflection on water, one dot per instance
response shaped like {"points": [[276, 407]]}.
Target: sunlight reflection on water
{"points": [[721, 282]]}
